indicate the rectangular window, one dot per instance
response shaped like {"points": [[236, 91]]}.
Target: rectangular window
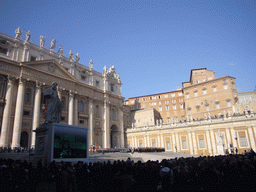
{"points": [[168, 120], [207, 108], [180, 100], [154, 97], [229, 103], [189, 111], [167, 107], [243, 141], [112, 87], [176, 119], [195, 94], [83, 78], [160, 108], [173, 101], [166, 102], [181, 106], [225, 86], [140, 144], [132, 102], [153, 144], [3, 50], [144, 99], [159, 97], [97, 83], [180, 94], [26, 113], [166, 96], [32, 58], [173, 94], [150, 98], [217, 106], [202, 103], [197, 81], [204, 91], [174, 107], [201, 143], [168, 145], [184, 144], [159, 103], [187, 96], [81, 121], [214, 89]]}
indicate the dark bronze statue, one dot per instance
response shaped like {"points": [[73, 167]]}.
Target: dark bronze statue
{"points": [[53, 112]]}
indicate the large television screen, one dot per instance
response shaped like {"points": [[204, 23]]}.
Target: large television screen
{"points": [[69, 142]]}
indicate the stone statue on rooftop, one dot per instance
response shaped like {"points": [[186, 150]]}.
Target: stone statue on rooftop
{"points": [[77, 57], [53, 103], [28, 36], [53, 42], [61, 50], [91, 64], [41, 41], [71, 57], [18, 33]]}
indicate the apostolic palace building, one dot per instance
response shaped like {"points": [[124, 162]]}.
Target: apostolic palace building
{"points": [[89, 98], [207, 116]]}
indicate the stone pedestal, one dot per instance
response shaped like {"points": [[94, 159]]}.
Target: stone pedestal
{"points": [[220, 149], [60, 142]]}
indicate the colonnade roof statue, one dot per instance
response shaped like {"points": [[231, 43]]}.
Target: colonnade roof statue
{"points": [[53, 112]]}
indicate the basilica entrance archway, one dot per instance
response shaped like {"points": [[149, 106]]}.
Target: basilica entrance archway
{"points": [[98, 137], [24, 139], [114, 136]]}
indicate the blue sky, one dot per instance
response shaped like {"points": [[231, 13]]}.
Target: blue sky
{"points": [[152, 44]]}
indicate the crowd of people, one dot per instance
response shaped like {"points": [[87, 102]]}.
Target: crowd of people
{"points": [[234, 172], [16, 150]]}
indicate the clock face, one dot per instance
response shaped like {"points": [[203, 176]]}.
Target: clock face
{"points": [[51, 67]]}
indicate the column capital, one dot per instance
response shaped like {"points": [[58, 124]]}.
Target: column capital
{"points": [[11, 79], [39, 84], [71, 93], [22, 80]]}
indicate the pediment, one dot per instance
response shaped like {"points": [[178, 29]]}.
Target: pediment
{"points": [[51, 67]]}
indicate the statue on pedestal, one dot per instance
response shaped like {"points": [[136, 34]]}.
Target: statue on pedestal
{"points": [[71, 57], [77, 57], [28, 36], [42, 41], [53, 42], [53, 111], [18, 33]]}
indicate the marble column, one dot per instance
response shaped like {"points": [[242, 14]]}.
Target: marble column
{"points": [[148, 144], [190, 142], [158, 140], [18, 114], [7, 113], [194, 142], [162, 141], [177, 142], [91, 117], [71, 108], [106, 124], [135, 142], [76, 109], [213, 142], [234, 137], [209, 142], [252, 141], [145, 141], [36, 115], [121, 123], [174, 143], [228, 139]]}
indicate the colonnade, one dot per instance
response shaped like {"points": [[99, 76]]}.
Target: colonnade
{"points": [[73, 102]]}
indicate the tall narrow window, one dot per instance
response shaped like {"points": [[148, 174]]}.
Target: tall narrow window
{"points": [[168, 145], [184, 144], [201, 143], [243, 141], [81, 106]]}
